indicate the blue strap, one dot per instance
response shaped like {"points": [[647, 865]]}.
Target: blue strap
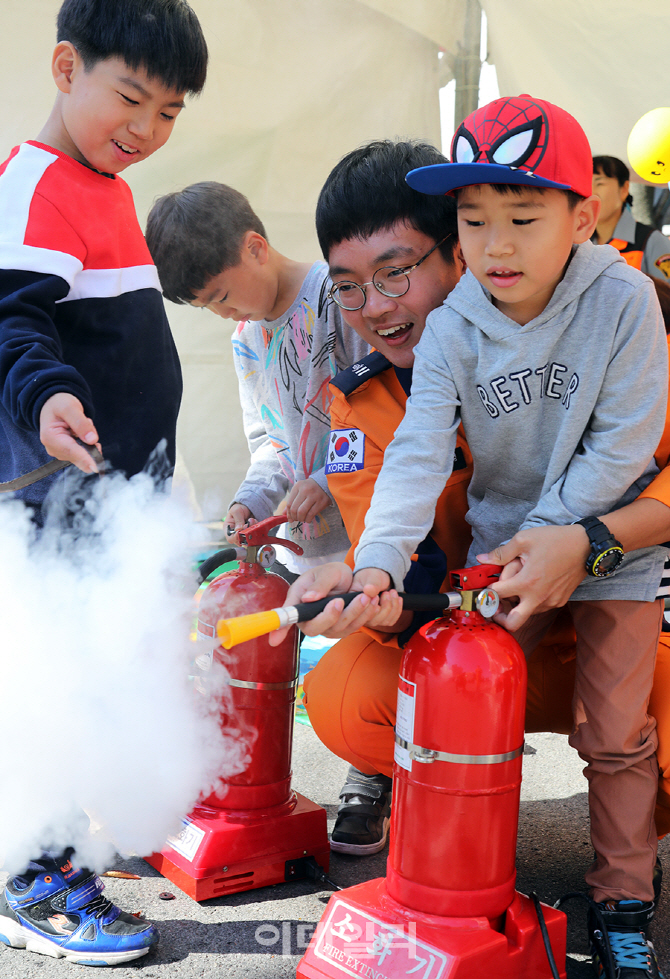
{"points": [[78, 897]]}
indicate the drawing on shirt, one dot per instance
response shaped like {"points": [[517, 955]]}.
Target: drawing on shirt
{"points": [[290, 375]]}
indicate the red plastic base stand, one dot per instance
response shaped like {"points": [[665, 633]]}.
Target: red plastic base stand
{"points": [[223, 851], [365, 933]]}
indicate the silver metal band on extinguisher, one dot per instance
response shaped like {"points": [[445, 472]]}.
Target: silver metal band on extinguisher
{"points": [[428, 755], [252, 685]]}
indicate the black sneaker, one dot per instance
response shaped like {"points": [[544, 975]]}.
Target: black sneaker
{"points": [[632, 953], [363, 816]]}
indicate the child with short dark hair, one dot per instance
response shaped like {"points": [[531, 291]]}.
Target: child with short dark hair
{"points": [[85, 347], [552, 353], [211, 251]]}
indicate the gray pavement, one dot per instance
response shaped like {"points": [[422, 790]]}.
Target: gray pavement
{"points": [[262, 933]]}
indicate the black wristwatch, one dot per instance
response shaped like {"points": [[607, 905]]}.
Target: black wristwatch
{"points": [[606, 551]]}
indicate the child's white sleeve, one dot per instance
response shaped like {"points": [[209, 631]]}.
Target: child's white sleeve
{"points": [[320, 478], [265, 484]]}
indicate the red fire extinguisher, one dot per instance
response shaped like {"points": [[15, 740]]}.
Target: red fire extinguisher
{"points": [[262, 678], [448, 907], [257, 830], [459, 745]]}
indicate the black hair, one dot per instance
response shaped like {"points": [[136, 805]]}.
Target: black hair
{"points": [[163, 37], [366, 192], [573, 197], [612, 166], [197, 233]]}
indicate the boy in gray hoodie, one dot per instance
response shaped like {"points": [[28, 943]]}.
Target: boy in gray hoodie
{"points": [[552, 353]]}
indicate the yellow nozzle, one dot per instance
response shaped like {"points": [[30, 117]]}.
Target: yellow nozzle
{"points": [[232, 632]]}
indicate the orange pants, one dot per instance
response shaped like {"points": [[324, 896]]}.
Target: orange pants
{"points": [[351, 695]]}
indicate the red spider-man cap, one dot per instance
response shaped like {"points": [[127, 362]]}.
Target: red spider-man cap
{"points": [[513, 141]]}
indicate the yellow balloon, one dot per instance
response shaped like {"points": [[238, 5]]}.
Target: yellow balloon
{"points": [[649, 146]]}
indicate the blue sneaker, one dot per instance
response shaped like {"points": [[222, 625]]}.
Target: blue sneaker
{"points": [[62, 913], [632, 954]]}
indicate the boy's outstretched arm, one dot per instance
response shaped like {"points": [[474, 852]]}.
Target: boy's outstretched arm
{"points": [[265, 484], [62, 420]]}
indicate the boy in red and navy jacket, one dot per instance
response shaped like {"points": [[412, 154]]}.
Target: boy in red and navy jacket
{"points": [[85, 347]]}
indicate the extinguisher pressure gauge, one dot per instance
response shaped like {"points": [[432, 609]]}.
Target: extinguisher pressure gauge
{"points": [[266, 556], [487, 602]]}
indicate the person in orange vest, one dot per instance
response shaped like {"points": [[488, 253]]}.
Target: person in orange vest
{"points": [[642, 246]]}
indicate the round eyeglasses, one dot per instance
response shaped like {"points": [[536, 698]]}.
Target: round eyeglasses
{"points": [[390, 281]]}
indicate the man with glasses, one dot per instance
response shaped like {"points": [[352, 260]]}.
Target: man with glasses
{"points": [[393, 257]]}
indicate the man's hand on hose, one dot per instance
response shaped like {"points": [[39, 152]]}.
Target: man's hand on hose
{"points": [[335, 622], [377, 583]]}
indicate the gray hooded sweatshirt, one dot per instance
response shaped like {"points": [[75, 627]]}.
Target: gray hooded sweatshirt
{"points": [[562, 416]]}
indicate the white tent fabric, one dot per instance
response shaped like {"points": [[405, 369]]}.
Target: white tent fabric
{"points": [[605, 61], [441, 21], [295, 84]]}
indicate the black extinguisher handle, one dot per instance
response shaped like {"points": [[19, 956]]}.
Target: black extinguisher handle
{"points": [[216, 560], [309, 610], [412, 603]]}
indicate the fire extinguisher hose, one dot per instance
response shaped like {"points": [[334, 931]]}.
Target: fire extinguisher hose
{"points": [[215, 561], [232, 632], [48, 469]]}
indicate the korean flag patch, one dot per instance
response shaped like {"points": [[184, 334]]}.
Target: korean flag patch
{"points": [[346, 451]]}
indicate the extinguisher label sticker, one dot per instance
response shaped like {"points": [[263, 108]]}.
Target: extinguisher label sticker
{"points": [[188, 840], [358, 944], [404, 722], [346, 451]]}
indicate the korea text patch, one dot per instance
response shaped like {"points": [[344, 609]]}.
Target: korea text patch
{"points": [[346, 451]]}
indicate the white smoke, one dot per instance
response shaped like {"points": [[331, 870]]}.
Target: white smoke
{"points": [[96, 707]]}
